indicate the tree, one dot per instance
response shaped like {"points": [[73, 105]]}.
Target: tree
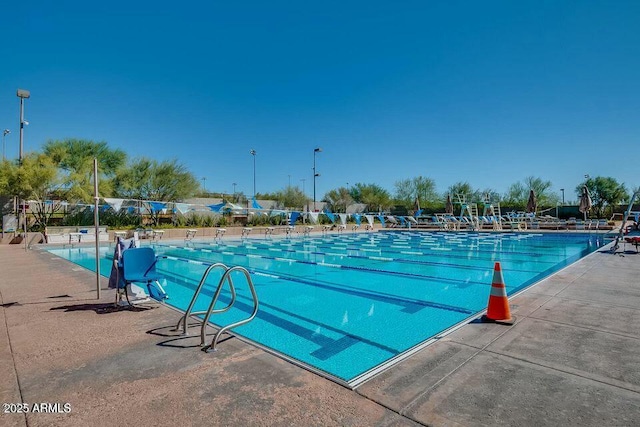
{"points": [[471, 194], [460, 188], [5, 167], [146, 179], [373, 196], [290, 197], [421, 187], [542, 189], [605, 193], [338, 199], [518, 193], [516, 196], [75, 158], [37, 180]]}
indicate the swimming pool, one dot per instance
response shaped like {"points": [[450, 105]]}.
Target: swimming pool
{"points": [[345, 305]]}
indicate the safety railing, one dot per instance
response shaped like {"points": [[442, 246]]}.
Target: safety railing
{"points": [[188, 313], [623, 229], [39, 237], [226, 278]]}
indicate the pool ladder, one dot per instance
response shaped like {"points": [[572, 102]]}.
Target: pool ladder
{"points": [[226, 278]]}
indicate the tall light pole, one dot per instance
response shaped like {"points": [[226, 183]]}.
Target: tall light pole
{"points": [[22, 94], [4, 134], [204, 184], [253, 153], [562, 189], [315, 174]]}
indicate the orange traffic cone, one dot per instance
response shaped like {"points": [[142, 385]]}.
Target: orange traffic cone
{"points": [[498, 308]]}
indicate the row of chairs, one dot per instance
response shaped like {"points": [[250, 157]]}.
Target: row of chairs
{"points": [[506, 222]]}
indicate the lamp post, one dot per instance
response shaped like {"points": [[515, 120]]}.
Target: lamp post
{"points": [[22, 94], [315, 174], [204, 184], [4, 134], [562, 189], [253, 153]]}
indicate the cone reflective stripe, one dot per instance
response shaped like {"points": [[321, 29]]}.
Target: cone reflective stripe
{"points": [[498, 307]]}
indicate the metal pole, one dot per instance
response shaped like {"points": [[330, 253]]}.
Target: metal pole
{"points": [[21, 127], [253, 153], [22, 94], [315, 150], [24, 205], [24, 210], [96, 221]]}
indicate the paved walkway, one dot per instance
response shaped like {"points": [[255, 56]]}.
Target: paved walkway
{"points": [[571, 359]]}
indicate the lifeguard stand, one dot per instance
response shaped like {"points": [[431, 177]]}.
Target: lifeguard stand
{"points": [[492, 212], [468, 212]]}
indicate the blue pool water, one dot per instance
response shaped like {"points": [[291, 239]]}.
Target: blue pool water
{"points": [[345, 304]]}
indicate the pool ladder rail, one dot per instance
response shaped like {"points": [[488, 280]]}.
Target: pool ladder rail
{"points": [[226, 278]]}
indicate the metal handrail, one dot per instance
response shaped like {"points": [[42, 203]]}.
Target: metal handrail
{"points": [[35, 236], [620, 235], [226, 276], [188, 312]]}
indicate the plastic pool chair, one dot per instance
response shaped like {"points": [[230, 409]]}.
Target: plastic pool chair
{"points": [[139, 266]]}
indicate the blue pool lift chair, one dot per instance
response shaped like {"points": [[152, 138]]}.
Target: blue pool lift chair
{"points": [[139, 266]]}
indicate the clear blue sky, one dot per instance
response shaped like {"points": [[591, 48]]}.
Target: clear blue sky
{"points": [[488, 92]]}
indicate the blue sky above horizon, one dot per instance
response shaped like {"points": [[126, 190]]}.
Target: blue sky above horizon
{"points": [[484, 92]]}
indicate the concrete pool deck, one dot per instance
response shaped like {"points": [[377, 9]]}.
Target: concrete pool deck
{"points": [[572, 358]]}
